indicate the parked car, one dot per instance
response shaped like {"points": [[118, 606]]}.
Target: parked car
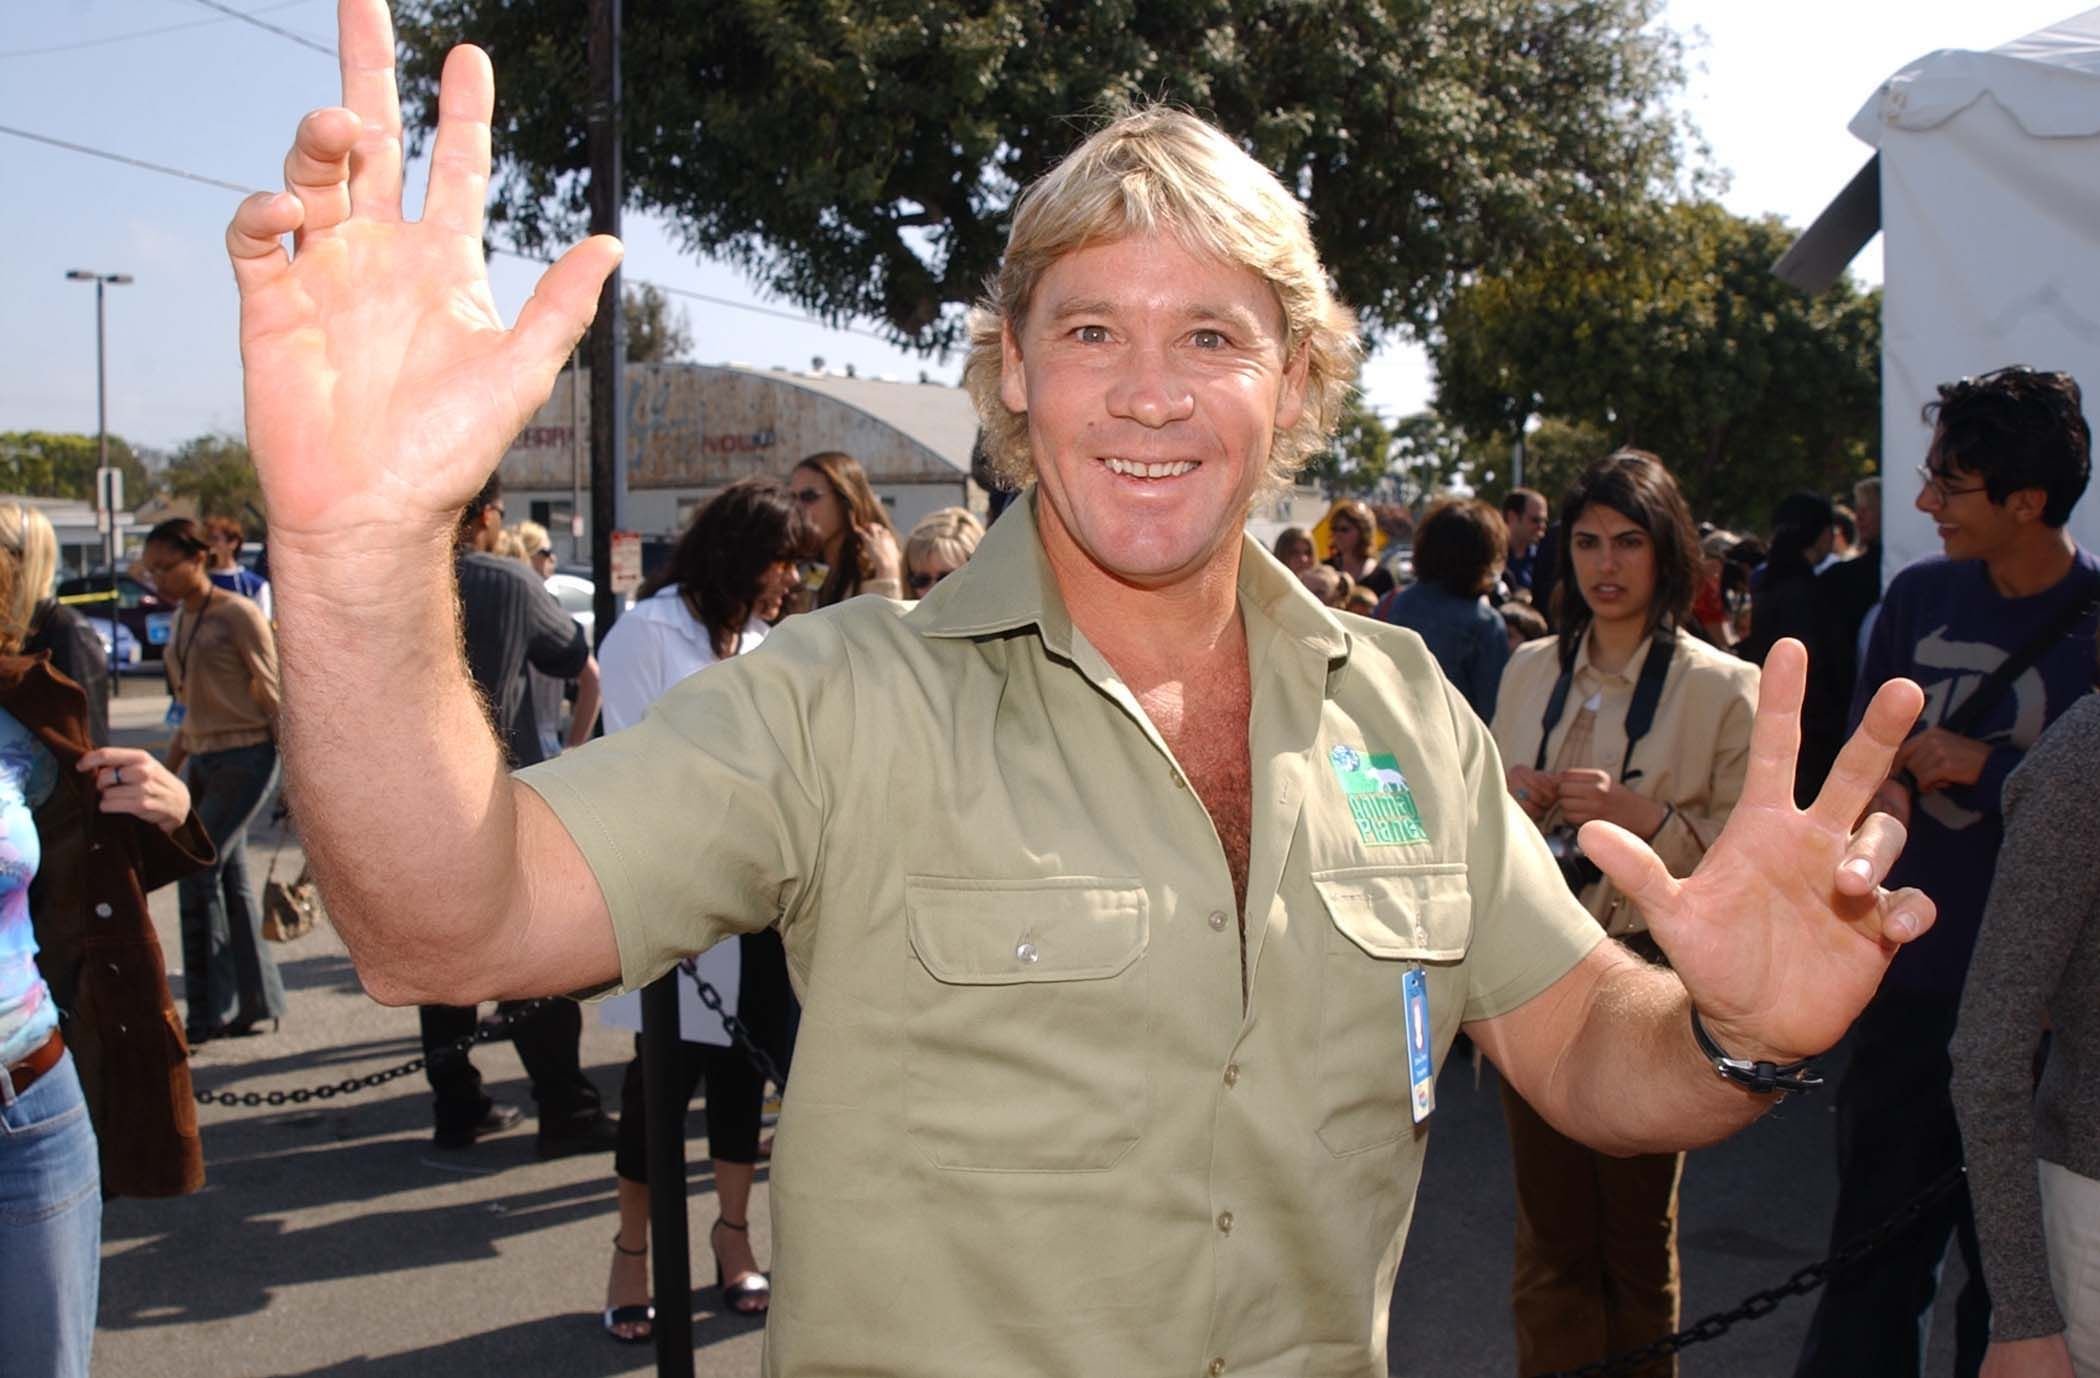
{"points": [[123, 653], [576, 595], [148, 617]]}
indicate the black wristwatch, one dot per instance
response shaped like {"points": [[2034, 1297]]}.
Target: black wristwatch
{"points": [[1763, 1078]]}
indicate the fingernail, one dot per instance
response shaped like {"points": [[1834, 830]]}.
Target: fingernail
{"points": [[1904, 924], [1858, 867]]}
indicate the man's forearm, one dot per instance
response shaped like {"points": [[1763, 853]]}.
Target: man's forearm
{"points": [[1633, 1079], [403, 800]]}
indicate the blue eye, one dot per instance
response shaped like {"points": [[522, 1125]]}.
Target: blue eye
{"points": [[1208, 339], [1092, 334]]}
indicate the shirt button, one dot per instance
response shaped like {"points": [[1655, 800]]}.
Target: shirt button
{"points": [[1232, 1074], [102, 911], [1180, 781], [1025, 953], [1224, 1222], [1217, 920], [1217, 1366]]}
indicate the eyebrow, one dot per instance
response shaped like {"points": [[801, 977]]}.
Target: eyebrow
{"points": [[1239, 318]]}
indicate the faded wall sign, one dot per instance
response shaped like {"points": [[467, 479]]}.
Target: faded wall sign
{"points": [[692, 425]]}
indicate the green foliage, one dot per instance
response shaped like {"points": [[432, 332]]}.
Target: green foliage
{"points": [[862, 160], [657, 332], [1672, 334], [1356, 459], [216, 473], [53, 464]]}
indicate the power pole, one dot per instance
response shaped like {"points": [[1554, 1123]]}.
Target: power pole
{"points": [[108, 486]]}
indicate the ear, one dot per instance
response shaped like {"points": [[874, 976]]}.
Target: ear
{"points": [[1013, 379], [2027, 504], [1290, 398]]}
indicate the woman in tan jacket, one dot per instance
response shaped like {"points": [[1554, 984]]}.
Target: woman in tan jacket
{"points": [[221, 662], [1628, 717]]}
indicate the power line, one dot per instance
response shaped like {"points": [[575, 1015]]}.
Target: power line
{"points": [[120, 158], [246, 18], [799, 318], [126, 37]]}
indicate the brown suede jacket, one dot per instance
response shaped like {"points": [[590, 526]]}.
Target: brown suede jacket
{"points": [[97, 949]]}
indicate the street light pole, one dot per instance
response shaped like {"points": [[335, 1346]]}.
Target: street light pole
{"points": [[102, 487]]}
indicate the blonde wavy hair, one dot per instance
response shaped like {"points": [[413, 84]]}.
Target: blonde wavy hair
{"points": [[30, 548], [1153, 169]]}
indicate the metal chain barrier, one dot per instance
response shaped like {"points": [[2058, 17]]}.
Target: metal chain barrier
{"points": [[1758, 1305], [488, 1032], [741, 1035]]}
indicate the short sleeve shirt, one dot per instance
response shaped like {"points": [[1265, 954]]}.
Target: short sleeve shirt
{"points": [[1034, 1128]]}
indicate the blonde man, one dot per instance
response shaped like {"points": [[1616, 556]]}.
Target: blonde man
{"points": [[1125, 886], [939, 545]]}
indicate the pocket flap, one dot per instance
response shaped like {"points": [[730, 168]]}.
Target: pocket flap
{"points": [[1006, 932], [1417, 913]]}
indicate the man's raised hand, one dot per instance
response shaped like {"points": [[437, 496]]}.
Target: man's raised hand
{"points": [[381, 386], [1783, 931]]}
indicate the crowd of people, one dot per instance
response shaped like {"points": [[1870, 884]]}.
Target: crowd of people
{"points": [[1136, 890]]}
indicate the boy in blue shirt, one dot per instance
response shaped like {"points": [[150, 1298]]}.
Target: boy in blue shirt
{"points": [[2010, 456]]}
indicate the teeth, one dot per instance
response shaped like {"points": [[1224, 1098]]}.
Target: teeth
{"points": [[1132, 469]]}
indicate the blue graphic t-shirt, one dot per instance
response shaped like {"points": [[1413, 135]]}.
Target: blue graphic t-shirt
{"points": [[28, 772], [1945, 625]]}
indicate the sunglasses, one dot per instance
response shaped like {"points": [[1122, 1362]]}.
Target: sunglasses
{"points": [[544, 552], [922, 582], [807, 496]]}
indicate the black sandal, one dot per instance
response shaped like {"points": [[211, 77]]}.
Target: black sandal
{"points": [[753, 1287], [643, 1315]]}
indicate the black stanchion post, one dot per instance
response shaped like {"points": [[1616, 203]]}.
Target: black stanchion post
{"points": [[671, 1271]]}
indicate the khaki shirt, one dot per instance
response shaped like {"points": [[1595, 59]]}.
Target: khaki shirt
{"points": [[1694, 757], [1033, 1129]]}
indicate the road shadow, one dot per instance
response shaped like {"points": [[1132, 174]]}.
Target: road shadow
{"points": [[526, 1347]]}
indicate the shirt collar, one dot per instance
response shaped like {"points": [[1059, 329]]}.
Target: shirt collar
{"points": [[1007, 585], [1587, 673]]}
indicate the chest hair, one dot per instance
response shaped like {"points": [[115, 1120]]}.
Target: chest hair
{"points": [[1207, 731]]}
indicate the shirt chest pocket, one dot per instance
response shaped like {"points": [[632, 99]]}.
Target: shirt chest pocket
{"points": [[1027, 1013], [1383, 921]]}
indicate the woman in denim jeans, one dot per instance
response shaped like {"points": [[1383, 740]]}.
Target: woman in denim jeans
{"points": [[59, 806], [221, 662]]}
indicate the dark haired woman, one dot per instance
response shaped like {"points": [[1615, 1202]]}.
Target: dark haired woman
{"points": [[1626, 716], [221, 663], [725, 582], [1459, 550], [1352, 539], [852, 532]]}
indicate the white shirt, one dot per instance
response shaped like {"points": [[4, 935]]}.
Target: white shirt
{"points": [[655, 644]]}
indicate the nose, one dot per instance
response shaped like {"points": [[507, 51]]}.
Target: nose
{"points": [[1151, 391], [1929, 499]]}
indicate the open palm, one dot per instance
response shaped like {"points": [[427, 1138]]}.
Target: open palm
{"points": [[382, 387], [1783, 932]]}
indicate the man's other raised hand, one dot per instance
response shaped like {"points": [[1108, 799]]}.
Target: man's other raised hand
{"points": [[381, 386]]}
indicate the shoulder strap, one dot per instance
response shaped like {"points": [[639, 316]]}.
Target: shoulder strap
{"points": [[1640, 711], [1963, 720], [1647, 693]]}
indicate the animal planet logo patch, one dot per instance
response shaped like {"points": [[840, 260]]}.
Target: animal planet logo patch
{"points": [[1380, 801]]}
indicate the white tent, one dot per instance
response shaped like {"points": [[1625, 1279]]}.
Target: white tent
{"points": [[1986, 189]]}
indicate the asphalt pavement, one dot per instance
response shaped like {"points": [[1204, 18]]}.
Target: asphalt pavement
{"points": [[333, 1239]]}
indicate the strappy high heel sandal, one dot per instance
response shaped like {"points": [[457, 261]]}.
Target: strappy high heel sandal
{"points": [[752, 1287], [643, 1316]]}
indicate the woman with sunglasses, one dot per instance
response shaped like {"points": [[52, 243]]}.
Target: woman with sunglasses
{"points": [[854, 537], [221, 665], [548, 692], [724, 584], [939, 545], [1352, 539]]}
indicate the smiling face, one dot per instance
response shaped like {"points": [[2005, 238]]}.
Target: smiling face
{"points": [[1527, 526], [1614, 564], [1153, 380], [1969, 524]]}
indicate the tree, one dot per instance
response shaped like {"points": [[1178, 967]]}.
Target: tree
{"points": [[216, 473], [1672, 334], [1355, 460], [657, 332], [862, 160], [57, 464]]}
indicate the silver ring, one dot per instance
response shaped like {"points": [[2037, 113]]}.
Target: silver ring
{"points": [[116, 775]]}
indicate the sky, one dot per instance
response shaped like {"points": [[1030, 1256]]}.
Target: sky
{"points": [[1771, 86]]}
